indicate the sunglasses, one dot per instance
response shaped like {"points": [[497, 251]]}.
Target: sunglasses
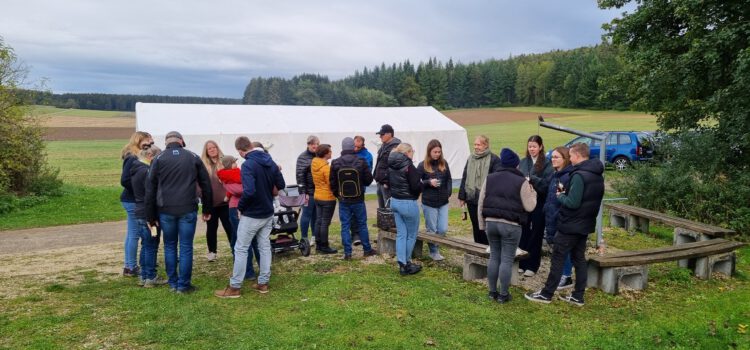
{"points": [[146, 146]]}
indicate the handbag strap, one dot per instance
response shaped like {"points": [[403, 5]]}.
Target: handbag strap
{"points": [[388, 202]]}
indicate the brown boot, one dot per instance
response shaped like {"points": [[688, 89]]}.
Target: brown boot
{"points": [[262, 288], [228, 292]]}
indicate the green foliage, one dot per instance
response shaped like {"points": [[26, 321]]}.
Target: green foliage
{"points": [[23, 165], [114, 102]]}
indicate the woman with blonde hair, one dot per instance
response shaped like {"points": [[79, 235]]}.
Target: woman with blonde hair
{"points": [[405, 185], [211, 157], [139, 140], [560, 180], [437, 188]]}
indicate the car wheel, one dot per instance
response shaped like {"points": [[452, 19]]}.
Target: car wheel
{"points": [[621, 163]]}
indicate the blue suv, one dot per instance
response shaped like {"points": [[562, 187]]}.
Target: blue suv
{"points": [[623, 147]]}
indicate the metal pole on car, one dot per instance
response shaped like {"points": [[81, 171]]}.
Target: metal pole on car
{"points": [[602, 157]]}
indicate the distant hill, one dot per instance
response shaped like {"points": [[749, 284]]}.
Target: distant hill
{"points": [[116, 102]]}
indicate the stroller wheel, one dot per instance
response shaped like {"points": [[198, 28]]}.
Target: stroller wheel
{"points": [[304, 247]]}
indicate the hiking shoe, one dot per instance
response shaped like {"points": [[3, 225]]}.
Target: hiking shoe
{"points": [[413, 268], [537, 297], [502, 299], [126, 272], [565, 283], [154, 282], [211, 256], [141, 281], [229, 293], [436, 257], [188, 290], [529, 273], [571, 300], [492, 296], [371, 252], [325, 250], [261, 288]]}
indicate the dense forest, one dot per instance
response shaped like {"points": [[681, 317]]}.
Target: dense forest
{"points": [[582, 78], [115, 102]]}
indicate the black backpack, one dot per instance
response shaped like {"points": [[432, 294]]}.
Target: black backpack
{"points": [[350, 185]]}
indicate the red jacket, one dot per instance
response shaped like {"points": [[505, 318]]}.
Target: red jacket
{"points": [[232, 184]]}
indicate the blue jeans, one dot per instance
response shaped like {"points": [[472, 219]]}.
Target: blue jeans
{"points": [[435, 221], [406, 213], [131, 237], [252, 251], [248, 229], [307, 219], [503, 240], [357, 212], [150, 250], [178, 229]]}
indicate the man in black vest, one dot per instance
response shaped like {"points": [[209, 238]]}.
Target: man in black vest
{"points": [[577, 218], [381, 167], [505, 200]]}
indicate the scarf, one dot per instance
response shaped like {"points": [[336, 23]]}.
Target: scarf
{"points": [[476, 172]]}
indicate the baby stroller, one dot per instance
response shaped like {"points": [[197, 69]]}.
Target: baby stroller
{"points": [[290, 203]]}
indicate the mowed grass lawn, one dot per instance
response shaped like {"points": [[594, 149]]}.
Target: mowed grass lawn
{"points": [[327, 303]]}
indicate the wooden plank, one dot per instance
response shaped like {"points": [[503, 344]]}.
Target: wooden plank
{"points": [[650, 256], [455, 243], [660, 250], [670, 220]]}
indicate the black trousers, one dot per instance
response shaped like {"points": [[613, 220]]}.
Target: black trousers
{"points": [[532, 234], [479, 235], [574, 244], [220, 213], [323, 215]]}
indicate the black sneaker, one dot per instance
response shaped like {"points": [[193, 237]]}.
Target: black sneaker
{"points": [[326, 250], [571, 300], [537, 297], [187, 290], [492, 296], [502, 299], [413, 268], [371, 252], [566, 282], [403, 269], [347, 257]]}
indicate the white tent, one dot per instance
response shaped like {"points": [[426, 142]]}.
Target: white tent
{"points": [[284, 129]]}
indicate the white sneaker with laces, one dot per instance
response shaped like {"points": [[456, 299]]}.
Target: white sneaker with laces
{"points": [[529, 273], [211, 256], [436, 257]]}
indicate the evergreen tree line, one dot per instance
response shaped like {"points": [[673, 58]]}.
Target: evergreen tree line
{"points": [[586, 77], [116, 102]]}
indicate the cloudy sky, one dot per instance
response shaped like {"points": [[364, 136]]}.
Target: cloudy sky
{"points": [[214, 48]]}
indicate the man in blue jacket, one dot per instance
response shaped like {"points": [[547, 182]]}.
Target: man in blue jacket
{"points": [[260, 175]]}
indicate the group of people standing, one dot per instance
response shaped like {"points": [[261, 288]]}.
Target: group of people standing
{"points": [[511, 203]]}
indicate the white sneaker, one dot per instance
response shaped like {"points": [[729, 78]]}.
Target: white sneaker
{"points": [[520, 270], [436, 257], [520, 251], [529, 273], [488, 249], [211, 256]]}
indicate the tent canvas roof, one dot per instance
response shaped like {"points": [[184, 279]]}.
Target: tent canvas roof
{"points": [[284, 129]]}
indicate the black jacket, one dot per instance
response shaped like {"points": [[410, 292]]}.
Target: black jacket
{"points": [[127, 187], [581, 219], [381, 167], [403, 177], [502, 197], [539, 180], [138, 176], [349, 159], [171, 186], [435, 197], [304, 176], [494, 167]]}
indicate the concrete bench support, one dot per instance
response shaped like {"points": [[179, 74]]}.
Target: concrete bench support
{"points": [[475, 267], [386, 245], [722, 263], [610, 279], [682, 236], [629, 222]]}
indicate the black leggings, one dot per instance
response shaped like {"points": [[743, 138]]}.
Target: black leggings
{"points": [[532, 234], [480, 236], [324, 214], [212, 226]]}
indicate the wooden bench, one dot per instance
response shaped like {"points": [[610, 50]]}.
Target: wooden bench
{"points": [[685, 231], [475, 254], [630, 268]]}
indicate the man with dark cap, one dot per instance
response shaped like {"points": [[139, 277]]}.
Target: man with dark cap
{"points": [[381, 167], [307, 187], [172, 200], [349, 175], [505, 200], [580, 204]]}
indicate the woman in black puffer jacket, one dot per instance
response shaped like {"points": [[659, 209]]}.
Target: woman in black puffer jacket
{"points": [[437, 188], [405, 184]]}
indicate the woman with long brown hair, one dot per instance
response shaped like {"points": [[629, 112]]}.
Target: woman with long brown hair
{"points": [[139, 140], [437, 188], [560, 180], [211, 157], [538, 171]]}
